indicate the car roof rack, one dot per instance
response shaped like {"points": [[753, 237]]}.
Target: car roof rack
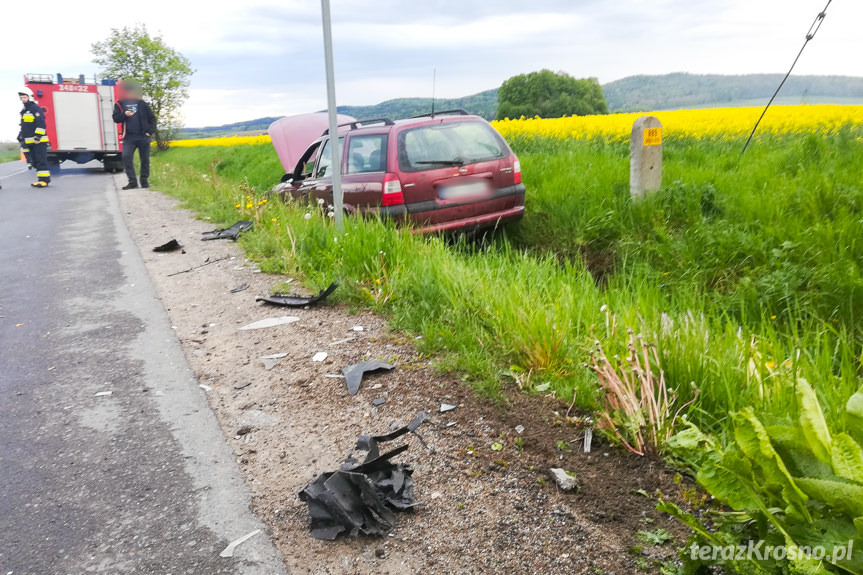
{"points": [[363, 123], [455, 112]]}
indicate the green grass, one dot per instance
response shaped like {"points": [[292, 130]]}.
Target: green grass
{"points": [[745, 273], [9, 152]]}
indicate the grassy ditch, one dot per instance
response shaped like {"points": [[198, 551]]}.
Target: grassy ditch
{"points": [[742, 274]]}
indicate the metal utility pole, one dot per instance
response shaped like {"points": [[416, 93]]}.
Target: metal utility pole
{"points": [[336, 167]]}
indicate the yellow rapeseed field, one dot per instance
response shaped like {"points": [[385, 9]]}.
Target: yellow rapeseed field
{"points": [[223, 141], [713, 122]]}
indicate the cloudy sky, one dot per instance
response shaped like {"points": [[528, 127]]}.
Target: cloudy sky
{"points": [[264, 57]]}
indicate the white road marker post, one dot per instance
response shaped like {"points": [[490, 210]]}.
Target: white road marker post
{"points": [[336, 167], [645, 171]]}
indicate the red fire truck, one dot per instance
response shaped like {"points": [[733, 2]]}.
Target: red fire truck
{"points": [[78, 118]]}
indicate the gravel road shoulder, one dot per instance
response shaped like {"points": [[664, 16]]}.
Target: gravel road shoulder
{"points": [[483, 510]]}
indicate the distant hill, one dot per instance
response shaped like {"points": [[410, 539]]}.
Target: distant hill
{"points": [[632, 94], [483, 104], [680, 91]]}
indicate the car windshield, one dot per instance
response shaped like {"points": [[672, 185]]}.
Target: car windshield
{"points": [[448, 144]]}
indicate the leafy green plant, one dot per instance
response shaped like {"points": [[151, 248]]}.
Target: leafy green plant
{"points": [[655, 538], [793, 484]]}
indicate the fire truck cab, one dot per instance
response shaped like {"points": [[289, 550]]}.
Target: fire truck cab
{"points": [[78, 118]]}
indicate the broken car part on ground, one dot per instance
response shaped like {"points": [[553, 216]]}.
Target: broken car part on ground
{"points": [[354, 373], [293, 300], [231, 233], [170, 246], [362, 497]]}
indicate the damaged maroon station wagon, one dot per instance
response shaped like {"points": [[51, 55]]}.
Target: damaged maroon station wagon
{"points": [[450, 171]]}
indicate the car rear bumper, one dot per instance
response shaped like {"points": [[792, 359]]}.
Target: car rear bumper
{"points": [[475, 222]]}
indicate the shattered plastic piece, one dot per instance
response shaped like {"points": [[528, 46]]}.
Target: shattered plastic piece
{"points": [[341, 341], [358, 328], [519, 429], [444, 407], [320, 356], [239, 288], [243, 385], [293, 300], [231, 233], [104, 393], [379, 401], [229, 550], [205, 387], [270, 361], [170, 246], [588, 439], [563, 479], [354, 373], [271, 322], [362, 497]]}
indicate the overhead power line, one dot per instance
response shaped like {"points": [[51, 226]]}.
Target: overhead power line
{"points": [[816, 25]]}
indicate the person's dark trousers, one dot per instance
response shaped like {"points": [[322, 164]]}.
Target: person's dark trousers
{"points": [[142, 144], [39, 155]]}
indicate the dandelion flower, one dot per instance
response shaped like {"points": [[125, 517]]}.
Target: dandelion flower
{"points": [[320, 201], [331, 214], [308, 216]]}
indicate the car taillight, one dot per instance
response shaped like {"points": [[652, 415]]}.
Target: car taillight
{"points": [[516, 171], [393, 195]]}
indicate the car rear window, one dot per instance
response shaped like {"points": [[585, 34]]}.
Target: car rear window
{"points": [[367, 153], [434, 146]]}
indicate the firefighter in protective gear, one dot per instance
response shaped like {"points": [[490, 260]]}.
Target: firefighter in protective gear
{"points": [[33, 139]]}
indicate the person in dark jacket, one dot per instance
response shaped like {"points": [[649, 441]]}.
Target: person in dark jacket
{"points": [[139, 124], [34, 142]]}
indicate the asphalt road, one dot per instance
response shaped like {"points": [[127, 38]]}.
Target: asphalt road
{"points": [[111, 461]]}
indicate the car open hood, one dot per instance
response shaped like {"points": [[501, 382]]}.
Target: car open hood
{"points": [[292, 135]]}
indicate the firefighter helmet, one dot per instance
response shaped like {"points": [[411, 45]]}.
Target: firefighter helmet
{"points": [[26, 92]]}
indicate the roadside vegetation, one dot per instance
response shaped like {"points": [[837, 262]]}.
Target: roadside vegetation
{"points": [[731, 299], [9, 152]]}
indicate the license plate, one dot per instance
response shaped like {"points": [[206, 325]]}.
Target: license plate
{"points": [[461, 191]]}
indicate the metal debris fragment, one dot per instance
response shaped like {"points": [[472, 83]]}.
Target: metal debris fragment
{"points": [[207, 262], [354, 373], [444, 407], [104, 393], [588, 439], [379, 401], [319, 357], [229, 550], [270, 361], [239, 288], [293, 300], [270, 322], [231, 233], [362, 497]]}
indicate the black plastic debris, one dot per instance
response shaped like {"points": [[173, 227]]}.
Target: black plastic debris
{"points": [[239, 288], [293, 300], [379, 401], [231, 233], [170, 246], [362, 497], [354, 373]]}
